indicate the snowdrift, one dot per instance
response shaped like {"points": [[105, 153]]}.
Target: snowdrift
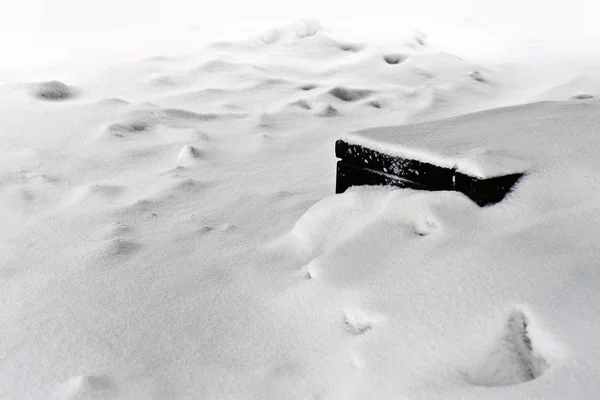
{"points": [[169, 230]]}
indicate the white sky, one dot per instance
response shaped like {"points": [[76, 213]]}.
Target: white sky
{"points": [[32, 30], [88, 15]]}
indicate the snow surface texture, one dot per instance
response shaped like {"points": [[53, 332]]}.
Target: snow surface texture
{"points": [[483, 156], [491, 143], [169, 232]]}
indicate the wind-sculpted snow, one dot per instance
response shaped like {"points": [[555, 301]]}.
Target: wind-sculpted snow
{"points": [[168, 229]]}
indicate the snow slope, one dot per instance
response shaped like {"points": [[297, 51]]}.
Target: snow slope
{"points": [[494, 143], [168, 231]]}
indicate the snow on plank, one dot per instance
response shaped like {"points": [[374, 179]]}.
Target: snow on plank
{"points": [[378, 157]]}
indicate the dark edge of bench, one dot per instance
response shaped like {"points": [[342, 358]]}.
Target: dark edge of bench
{"points": [[349, 175], [415, 171], [361, 166]]}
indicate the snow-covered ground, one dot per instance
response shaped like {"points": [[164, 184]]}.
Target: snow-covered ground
{"points": [[169, 229]]}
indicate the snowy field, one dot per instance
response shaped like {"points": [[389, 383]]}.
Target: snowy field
{"points": [[169, 229]]}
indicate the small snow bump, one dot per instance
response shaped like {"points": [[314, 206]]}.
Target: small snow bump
{"points": [[185, 185], [298, 30], [226, 227], [425, 227], [136, 122], [356, 362], [270, 36], [204, 230], [307, 28], [116, 101], [163, 81], [357, 322], [478, 76], [116, 230], [120, 130], [325, 110], [302, 103], [266, 120], [514, 357], [177, 113], [140, 207], [271, 83], [188, 156], [312, 269], [375, 104], [53, 91], [202, 135], [120, 247], [107, 190], [420, 38]]}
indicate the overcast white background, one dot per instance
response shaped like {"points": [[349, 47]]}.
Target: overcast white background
{"points": [[82, 15], [35, 31]]}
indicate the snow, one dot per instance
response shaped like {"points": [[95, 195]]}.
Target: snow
{"points": [[53, 90], [169, 229], [490, 143], [496, 142]]}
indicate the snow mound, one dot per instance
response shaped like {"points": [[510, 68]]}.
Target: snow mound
{"points": [[334, 220], [317, 106], [478, 76], [188, 156], [135, 122], [307, 28], [118, 247], [297, 30], [359, 322], [514, 358], [325, 110], [53, 91], [486, 147]]}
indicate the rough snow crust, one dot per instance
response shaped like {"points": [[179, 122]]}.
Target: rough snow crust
{"points": [[170, 231]]}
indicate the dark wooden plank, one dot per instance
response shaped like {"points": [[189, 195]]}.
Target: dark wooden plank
{"points": [[361, 166], [486, 191], [426, 174], [349, 175]]}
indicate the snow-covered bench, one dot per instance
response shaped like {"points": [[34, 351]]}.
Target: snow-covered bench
{"points": [[380, 156]]}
